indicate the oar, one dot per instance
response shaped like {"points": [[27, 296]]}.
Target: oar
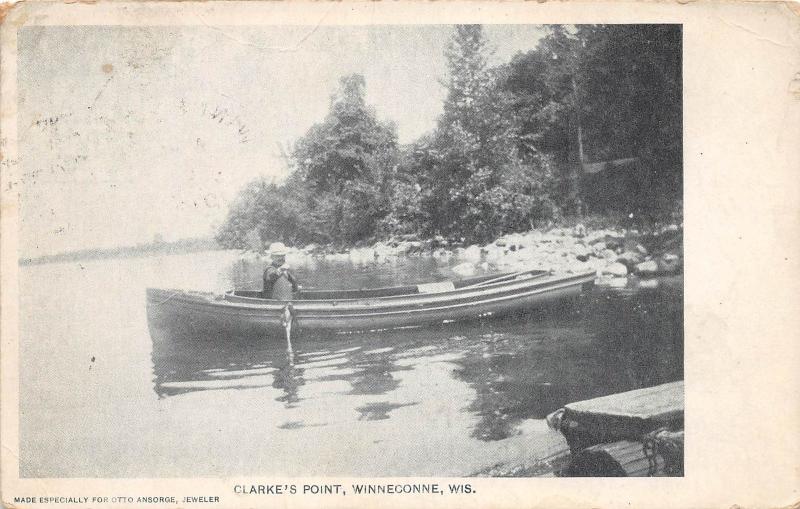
{"points": [[503, 278], [286, 321]]}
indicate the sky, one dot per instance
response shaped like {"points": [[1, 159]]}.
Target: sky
{"points": [[131, 132]]}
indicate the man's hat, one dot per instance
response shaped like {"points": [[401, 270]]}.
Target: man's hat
{"points": [[277, 249]]}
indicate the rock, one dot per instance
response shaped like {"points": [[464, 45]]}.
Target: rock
{"points": [[581, 252], [362, 255], [500, 243], [439, 241], [614, 242], [630, 259], [528, 240], [579, 230], [615, 269], [409, 247], [414, 246], [464, 269], [382, 250], [532, 237], [641, 249], [595, 264], [648, 268], [493, 252], [517, 256], [648, 283], [612, 282], [472, 253], [337, 257], [599, 247], [594, 236], [669, 263], [577, 267], [608, 254]]}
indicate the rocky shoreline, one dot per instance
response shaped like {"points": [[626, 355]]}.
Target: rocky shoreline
{"points": [[617, 256]]}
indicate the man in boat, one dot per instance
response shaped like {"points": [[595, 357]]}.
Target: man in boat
{"points": [[279, 283]]}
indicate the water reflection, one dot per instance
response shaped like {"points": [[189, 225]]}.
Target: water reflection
{"points": [[189, 361], [370, 372], [184, 363], [424, 402], [516, 369], [379, 411], [613, 341], [640, 334], [288, 378]]}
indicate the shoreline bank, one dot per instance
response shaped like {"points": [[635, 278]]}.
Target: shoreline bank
{"points": [[617, 256]]}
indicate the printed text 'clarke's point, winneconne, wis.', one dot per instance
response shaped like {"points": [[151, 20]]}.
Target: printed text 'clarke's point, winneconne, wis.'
{"points": [[355, 489]]}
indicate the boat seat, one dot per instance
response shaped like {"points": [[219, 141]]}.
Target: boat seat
{"points": [[439, 287]]}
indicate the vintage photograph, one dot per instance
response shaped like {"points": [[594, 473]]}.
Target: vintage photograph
{"points": [[441, 250]]}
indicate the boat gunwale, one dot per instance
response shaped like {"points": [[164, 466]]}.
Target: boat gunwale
{"points": [[476, 280], [540, 276], [496, 298], [401, 304]]}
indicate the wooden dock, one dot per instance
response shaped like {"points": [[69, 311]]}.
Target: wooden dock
{"points": [[632, 433]]}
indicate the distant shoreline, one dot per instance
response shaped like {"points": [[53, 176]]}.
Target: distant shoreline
{"points": [[182, 246]]}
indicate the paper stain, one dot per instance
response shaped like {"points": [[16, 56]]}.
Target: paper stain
{"points": [[5, 9], [794, 86], [795, 8], [107, 68]]}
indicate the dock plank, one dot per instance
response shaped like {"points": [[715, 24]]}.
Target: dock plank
{"points": [[659, 402], [624, 416]]}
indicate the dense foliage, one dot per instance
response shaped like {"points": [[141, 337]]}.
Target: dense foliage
{"points": [[516, 144], [338, 189]]}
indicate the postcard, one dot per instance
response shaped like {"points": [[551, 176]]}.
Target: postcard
{"points": [[412, 254]]}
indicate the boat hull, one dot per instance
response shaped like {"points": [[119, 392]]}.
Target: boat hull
{"points": [[249, 314]]}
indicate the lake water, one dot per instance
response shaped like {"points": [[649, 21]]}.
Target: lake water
{"points": [[105, 394]]}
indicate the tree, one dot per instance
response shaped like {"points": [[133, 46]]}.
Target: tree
{"points": [[346, 163], [339, 185], [545, 101], [471, 169], [632, 105], [504, 152], [346, 145], [617, 88], [273, 212]]}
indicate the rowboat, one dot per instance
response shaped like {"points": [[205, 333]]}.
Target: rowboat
{"points": [[369, 309]]}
